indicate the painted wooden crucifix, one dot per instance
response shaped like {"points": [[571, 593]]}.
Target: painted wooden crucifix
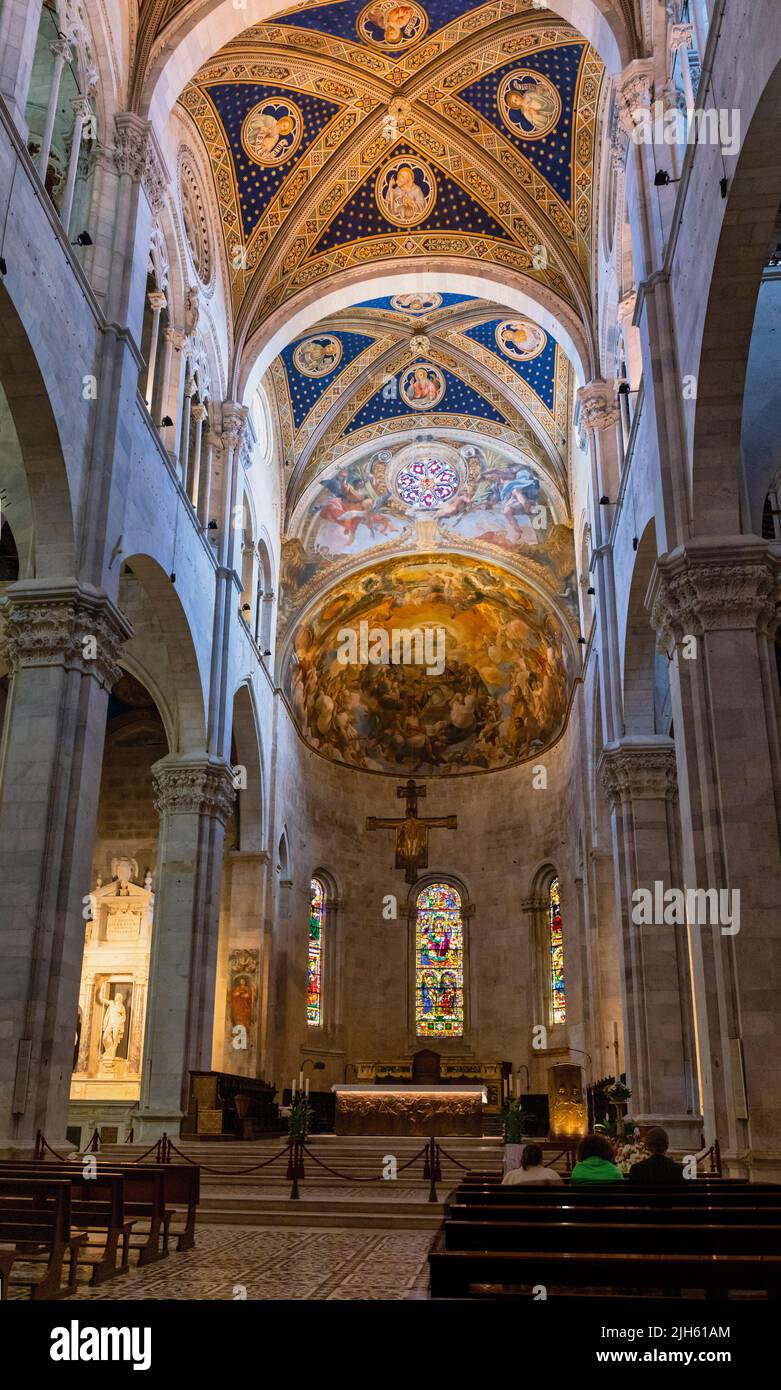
{"points": [[412, 830]]}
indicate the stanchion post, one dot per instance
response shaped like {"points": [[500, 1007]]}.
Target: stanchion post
{"points": [[295, 1167], [431, 1164]]}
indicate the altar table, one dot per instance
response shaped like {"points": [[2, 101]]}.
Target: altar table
{"points": [[400, 1109]]}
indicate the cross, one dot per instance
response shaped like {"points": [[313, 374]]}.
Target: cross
{"points": [[412, 830]]}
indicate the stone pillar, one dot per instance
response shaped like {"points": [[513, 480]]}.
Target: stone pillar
{"points": [[173, 387], [714, 603], [82, 113], [61, 642], [600, 416], [639, 777], [199, 414], [245, 932], [229, 585], [634, 94], [138, 167], [184, 436], [19, 24], [681, 38], [157, 302], [62, 53], [194, 796]]}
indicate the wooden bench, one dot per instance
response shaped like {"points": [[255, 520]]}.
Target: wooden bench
{"points": [[618, 1194], [728, 1214], [35, 1219], [453, 1272], [677, 1237], [97, 1209]]}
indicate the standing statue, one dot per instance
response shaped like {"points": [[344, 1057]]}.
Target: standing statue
{"points": [[114, 1021]]}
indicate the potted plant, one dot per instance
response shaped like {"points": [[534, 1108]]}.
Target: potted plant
{"points": [[514, 1117], [617, 1094], [301, 1116]]}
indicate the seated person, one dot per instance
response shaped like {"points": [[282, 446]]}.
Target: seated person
{"points": [[531, 1170], [657, 1168], [595, 1162]]}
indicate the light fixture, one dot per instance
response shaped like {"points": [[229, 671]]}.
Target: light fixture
{"points": [[581, 642], [3, 266], [267, 653], [245, 608], [724, 185], [635, 542], [172, 576], [83, 239], [605, 501], [591, 589], [662, 179], [212, 526], [166, 423]]}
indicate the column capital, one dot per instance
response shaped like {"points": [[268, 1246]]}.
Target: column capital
{"points": [[156, 299], [680, 36], [599, 409], [200, 413], [194, 785], [634, 90], [234, 420], [176, 338], [60, 48], [67, 625], [130, 144], [639, 769], [715, 584], [81, 106]]}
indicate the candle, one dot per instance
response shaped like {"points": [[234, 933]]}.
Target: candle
{"points": [[307, 1088], [293, 1090], [301, 1079]]}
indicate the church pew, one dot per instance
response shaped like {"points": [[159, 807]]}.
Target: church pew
{"points": [[626, 1194], [614, 1237], [35, 1222], [97, 1209], [693, 1215], [453, 1272], [181, 1187], [144, 1199]]}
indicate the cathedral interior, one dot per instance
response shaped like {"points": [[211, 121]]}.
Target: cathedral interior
{"points": [[390, 486]]}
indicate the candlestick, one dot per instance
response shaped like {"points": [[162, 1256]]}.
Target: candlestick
{"points": [[293, 1091]]}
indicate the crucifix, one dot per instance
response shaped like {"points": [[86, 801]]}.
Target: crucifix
{"points": [[412, 830]]}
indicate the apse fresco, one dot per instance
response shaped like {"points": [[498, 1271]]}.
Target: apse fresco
{"points": [[486, 499], [499, 695]]}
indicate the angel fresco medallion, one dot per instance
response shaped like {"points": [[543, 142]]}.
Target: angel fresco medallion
{"points": [[422, 387], [391, 26], [422, 303], [520, 339], [272, 131], [318, 356], [529, 104], [406, 191]]}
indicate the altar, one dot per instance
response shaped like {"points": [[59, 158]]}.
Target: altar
{"points": [[409, 1109]]}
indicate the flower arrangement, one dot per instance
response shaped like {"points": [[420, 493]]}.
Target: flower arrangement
{"points": [[621, 1128], [514, 1118], [625, 1155]]}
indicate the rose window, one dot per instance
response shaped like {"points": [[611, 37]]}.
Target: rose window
{"points": [[427, 483]]}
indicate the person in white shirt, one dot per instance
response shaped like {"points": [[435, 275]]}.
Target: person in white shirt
{"points": [[531, 1169]]}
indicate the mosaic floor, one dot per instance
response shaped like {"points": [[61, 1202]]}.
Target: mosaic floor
{"points": [[233, 1262]]}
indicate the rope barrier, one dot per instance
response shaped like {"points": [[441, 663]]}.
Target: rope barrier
{"points": [[451, 1159], [226, 1172], [348, 1177]]}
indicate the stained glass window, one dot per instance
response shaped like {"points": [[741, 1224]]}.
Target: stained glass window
{"points": [[558, 995], [314, 968], [439, 963]]}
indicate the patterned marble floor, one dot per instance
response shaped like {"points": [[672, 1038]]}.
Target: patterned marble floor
{"points": [[264, 1262]]}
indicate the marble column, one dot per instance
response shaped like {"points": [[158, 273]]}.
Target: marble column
{"points": [[194, 796], [229, 584], [601, 418], [634, 95], [82, 113], [184, 434], [200, 415], [157, 302], [639, 778], [62, 54], [681, 42], [19, 24], [714, 603], [61, 642]]}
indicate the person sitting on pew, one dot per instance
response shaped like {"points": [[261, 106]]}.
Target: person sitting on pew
{"points": [[531, 1170], [595, 1163], [657, 1168]]}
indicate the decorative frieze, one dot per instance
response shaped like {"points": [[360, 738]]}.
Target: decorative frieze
{"points": [[639, 771], [63, 626], [194, 787], [701, 587]]}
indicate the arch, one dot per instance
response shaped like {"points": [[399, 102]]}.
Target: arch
{"points": [[746, 239], [196, 34], [251, 800], [265, 598], [641, 666], [176, 656], [39, 442], [284, 864], [508, 289]]}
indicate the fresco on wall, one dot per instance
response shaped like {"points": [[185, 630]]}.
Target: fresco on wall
{"points": [[488, 499], [497, 696]]}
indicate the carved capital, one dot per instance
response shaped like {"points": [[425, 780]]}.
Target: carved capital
{"points": [[61, 50], [157, 300], [63, 625], [155, 178], [680, 36], [634, 91], [639, 770], [130, 144], [193, 787], [598, 406], [234, 420], [81, 106], [176, 338], [715, 585], [199, 413]]}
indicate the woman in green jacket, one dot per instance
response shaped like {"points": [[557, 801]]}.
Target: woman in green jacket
{"points": [[595, 1163]]}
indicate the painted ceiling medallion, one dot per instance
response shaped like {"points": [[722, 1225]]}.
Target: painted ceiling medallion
{"points": [[406, 191], [318, 356], [426, 484], [390, 26], [520, 339], [422, 387], [529, 104], [424, 303], [272, 131]]}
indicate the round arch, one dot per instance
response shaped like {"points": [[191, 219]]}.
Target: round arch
{"points": [[39, 443], [640, 655], [507, 288], [201, 31], [178, 658], [249, 759]]}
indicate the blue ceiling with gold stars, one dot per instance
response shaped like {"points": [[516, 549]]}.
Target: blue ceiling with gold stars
{"points": [[266, 147], [442, 202], [532, 103], [457, 398], [417, 304], [392, 28], [313, 362], [539, 372]]}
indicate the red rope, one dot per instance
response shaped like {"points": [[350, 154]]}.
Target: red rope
{"points": [[348, 1177], [226, 1172]]}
